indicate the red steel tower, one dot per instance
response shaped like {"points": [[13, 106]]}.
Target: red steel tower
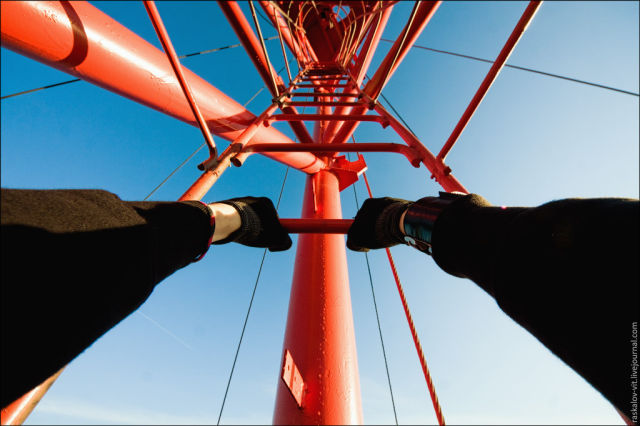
{"points": [[333, 43]]}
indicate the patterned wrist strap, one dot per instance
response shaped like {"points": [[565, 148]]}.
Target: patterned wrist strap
{"points": [[421, 218]]}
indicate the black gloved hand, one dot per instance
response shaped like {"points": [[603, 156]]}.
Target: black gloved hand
{"points": [[377, 224], [260, 224]]}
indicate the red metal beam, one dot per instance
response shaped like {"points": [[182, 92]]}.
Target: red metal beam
{"points": [[319, 333], [161, 31], [249, 40], [247, 37], [289, 39], [79, 39], [317, 104], [412, 155], [209, 177], [316, 226], [361, 66], [18, 411], [440, 171], [491, 76], [423, 14], [370, 45], [332, 117]]}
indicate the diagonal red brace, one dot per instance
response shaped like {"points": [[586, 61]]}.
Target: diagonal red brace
{"points": [[177, 69]]}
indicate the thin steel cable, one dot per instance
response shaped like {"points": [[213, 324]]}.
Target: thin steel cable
{"points": [[264, 49], [394, 110], [175, 171], [284, 54], [401, 45], [196, 151], [375, 306], [548, 74], [246, 318], [416, 340], [40, 88], [188, 55], [384, 352], [174, 60]]}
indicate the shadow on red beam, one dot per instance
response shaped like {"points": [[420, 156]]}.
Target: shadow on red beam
{"points": [[316, 226]]}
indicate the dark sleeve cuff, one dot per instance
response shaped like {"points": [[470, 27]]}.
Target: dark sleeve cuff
{"points": [[466, 237], [181, 232]]}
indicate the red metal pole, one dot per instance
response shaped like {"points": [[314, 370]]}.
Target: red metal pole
{"points": [[316, 226], [278, 20], [319, 334], [370, 46], [412, 155], [424, 13], [156, 20], [209, 177], [18, 411], [247, 37], [319, 339], [243, 30], [438, 169], [362, 65], [497, 66], [79, 39]]}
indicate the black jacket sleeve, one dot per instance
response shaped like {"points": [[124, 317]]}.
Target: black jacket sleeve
{"points": [[74, 264], [566, 271]]}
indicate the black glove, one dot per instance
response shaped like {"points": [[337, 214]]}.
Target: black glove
{"points": [[377, 224], [260, 224]]}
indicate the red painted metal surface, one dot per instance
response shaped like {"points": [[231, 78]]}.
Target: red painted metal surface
{"points": [[412, 155], [319, 382], [230, 155], [247, 37], [491, 76], [288, 35], [361, 66], [438, 169], [390, 63], [18, 411], [79, 39], [326, 117], [319, 331], [316, 226], [156, 20]]}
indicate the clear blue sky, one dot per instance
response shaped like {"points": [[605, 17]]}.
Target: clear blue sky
{"points": [[533, 139]]}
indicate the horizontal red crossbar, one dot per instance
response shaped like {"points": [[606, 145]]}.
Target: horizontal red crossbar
{"points": [[326, 95], [412, 155], [316, 226], [322, 85], [325, 79], [327, 117], [316, 104]]}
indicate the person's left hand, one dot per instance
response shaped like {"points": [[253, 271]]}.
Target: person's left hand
{"points": [[258, 224]]}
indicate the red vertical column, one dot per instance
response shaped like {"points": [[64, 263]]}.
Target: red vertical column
{"points": [[319, 334]]}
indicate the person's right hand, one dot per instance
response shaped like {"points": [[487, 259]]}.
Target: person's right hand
{"points": [[377, 224]]}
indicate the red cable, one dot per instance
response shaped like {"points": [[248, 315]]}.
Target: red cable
{"points": [[414, 334]]}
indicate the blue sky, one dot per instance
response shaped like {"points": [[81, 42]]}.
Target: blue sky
{"points": [[533, 139]]}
